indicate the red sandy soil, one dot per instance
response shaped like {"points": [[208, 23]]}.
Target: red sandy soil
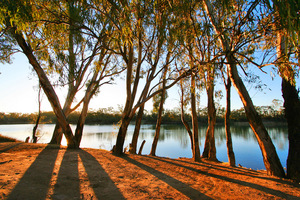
{"points": [[40, 171]]}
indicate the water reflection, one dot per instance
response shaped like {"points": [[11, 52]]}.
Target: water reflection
{"points": [[174, 141]]}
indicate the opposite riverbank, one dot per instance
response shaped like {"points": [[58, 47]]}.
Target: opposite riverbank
{"points": [[41, 171]]}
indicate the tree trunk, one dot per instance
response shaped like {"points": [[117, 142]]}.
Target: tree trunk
{"points": [[142, 146], [47, 87], [292, 114], [158, 123], [211, 122], [138, 122], [292, 109], [271, 160], [209, 145], [196, 150], [230, 153], [270, 157], [34, 138], [118, 148], [57, 135], [183, 120], [81, 120], [206, 144]]}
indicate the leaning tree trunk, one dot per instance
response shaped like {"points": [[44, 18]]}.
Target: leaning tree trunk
{"points": [[196, 149], [270, 157], [138, 122], [230, 152], [47, 87]]}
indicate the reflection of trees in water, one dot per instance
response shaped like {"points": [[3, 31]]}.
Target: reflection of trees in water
{"points": [[178, 133]]}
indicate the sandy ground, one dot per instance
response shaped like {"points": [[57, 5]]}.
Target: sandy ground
{"points": [[40, 171]]}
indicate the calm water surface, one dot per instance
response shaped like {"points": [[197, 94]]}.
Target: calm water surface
{"points": [[173, 142]]}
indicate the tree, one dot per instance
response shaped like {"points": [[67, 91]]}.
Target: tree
{"points": [[196, 150], [271, 160], [44, 51], [34, 138], [161, 99], [183, 103], [145, 29], [210, 147], [16, 22], [287, 24], [230, 152]]}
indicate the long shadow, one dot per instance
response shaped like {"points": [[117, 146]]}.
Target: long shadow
{"points": [[37, 177], [243, 183], [67, 184], [178, 185], [9, 147], [236, 170], [103, 186]]}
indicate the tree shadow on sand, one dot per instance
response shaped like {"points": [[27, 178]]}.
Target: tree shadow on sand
{"points": [[35, 182], [101, 183], [178, 185], [231, 180]]}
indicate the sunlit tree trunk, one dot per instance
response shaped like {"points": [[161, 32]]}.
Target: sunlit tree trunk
{"points": [[138, 122], [58, 132], [159, 116], [230, 152], [196, 149], [130, 95], [270, 157], [292, 109], [210, 147], [47, 87], [158, 125], [211, 122], [183, 120], [206, 144], [34, 138]]}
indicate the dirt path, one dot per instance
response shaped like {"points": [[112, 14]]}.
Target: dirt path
{"points": [[42, 171]]}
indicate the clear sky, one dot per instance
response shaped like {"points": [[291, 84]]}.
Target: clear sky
{"points": [[19, 91]]}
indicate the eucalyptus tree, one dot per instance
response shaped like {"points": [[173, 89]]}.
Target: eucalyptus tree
{"points": [[201, 47], [139, 28], [184, 99], [87, 60], [20, 28], [82, 58], [236, 34], [227, 84], [285, 31], [159, 101]]}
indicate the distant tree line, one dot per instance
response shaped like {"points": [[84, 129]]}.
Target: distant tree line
{"points": [[170, 116]]}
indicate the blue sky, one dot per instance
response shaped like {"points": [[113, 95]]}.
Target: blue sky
{"points": [[19, 90]]}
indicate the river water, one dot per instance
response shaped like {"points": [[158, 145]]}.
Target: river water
{"points": [[173, 142]]}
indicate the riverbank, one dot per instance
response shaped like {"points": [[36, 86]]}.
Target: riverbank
{"points": [[40, 171]]}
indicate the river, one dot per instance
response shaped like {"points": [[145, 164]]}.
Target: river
{"points": [[173, 142]]}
